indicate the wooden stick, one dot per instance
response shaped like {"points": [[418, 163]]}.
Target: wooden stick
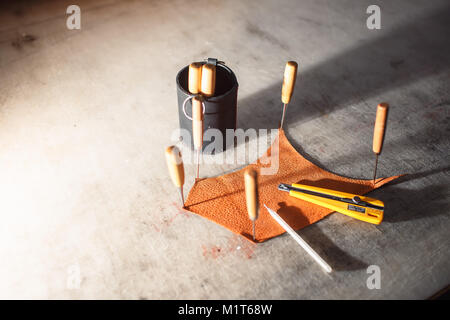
{"points": [[208, 80], [195, 77], [251, 195], [379, 128], [176, 168], [290, 75]]}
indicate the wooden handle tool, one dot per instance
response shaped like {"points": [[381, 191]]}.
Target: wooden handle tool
{"points": [[208, 80], [290, 75], [251, 195], [378, 132], [176, 168], [197, 127], [195, 77], [380, 125]]}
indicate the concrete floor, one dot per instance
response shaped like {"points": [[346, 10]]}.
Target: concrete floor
{"points": [[87, 207]]}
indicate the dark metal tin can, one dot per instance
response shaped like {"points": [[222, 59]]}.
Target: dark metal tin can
{"points": [[220, 110]]}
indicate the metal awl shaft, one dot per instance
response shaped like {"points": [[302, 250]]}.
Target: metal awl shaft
{"points": [[282, 117], [375, 170], [198, 163], [253, 230], [182, 197]]}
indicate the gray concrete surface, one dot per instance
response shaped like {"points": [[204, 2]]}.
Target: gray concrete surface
{"points": [[85, 116]]}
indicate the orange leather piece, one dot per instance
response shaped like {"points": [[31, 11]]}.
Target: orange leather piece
{"points": [[222, 199]]}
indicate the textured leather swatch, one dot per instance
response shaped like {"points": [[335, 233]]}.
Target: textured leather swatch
{"points": [[222, 199]]}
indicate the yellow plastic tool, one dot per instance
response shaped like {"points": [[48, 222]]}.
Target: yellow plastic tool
{"points": [[353, 205]]}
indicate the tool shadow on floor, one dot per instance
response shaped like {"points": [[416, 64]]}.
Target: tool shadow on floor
{"points": [[343, 186], [337, 258], [406, 204], [291, 214], [419, 175], [416, 50], [362, 154]]}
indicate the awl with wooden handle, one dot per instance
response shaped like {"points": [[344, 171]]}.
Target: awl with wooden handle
{"points": [[195, 84], [176, 168], [197, 127], [290, 75], [378, 133], [202, 81], [251, 196]]}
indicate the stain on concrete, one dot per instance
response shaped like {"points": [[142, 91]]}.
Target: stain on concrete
{"points": [[235, 245], [18, 12], [22, 40], [256, 31], [396, 63], [167, 222]]}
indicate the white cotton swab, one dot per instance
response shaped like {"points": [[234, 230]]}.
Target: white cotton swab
{"points": [[300, 241]]}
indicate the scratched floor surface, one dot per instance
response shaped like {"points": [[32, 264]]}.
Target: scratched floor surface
{"points": [[87, 207]]}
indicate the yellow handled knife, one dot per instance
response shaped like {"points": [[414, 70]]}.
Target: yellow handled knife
{"points": [[353, 205]]}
